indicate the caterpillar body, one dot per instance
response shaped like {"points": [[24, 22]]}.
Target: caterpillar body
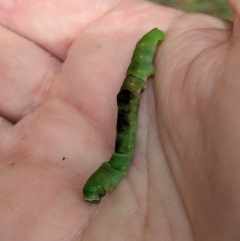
{"points": [[109, 174]]}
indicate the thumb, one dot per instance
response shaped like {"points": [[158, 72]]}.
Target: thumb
{"points": [[235, 6]]}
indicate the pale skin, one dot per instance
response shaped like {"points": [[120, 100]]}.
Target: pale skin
{"points": [[61, 66]]}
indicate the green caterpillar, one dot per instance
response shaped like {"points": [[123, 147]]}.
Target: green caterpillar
{"points": [[109, 174]]}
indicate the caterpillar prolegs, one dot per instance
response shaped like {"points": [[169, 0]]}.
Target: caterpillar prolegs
{"points": [[109, 174]]}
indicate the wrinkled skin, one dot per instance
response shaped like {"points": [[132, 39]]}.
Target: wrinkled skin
{"points": [[61, 65]]}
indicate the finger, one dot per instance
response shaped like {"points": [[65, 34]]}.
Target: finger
{"points": [[26, 72], [52, 24], [234, 4]]}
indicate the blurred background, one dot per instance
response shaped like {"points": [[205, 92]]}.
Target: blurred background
{"points": [[217, 8]]}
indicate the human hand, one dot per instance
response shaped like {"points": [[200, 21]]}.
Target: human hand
{"points": [[197, 95], [62, 64], [59, 81]]}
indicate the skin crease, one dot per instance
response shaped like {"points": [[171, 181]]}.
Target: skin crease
{"points": [[61, 66]]}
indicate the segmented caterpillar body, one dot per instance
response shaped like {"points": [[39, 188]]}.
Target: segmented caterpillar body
{"points": [[109, 174]]}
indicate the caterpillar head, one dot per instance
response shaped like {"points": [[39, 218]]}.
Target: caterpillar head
{"points": [[93, 193]]}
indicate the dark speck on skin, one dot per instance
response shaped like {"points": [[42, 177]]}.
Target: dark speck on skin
{"points": [[63, 158]]}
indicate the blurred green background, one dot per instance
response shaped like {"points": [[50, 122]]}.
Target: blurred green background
{"points": [[217, 8]]}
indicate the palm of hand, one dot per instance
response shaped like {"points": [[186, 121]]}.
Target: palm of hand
{"points": [[48, 155]]}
